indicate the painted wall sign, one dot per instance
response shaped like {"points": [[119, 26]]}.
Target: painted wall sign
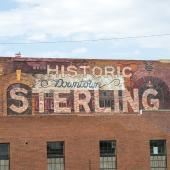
{"points": [[47, 83], [85, 86], [19, 98]]}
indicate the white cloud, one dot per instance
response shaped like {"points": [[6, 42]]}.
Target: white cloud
{"points": [[37, 37], [72, 19], [136, 52], [80, 52]]}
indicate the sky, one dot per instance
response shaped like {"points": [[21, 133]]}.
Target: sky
{"points": [[60, 21]]}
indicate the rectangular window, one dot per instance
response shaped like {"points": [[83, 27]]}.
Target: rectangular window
{"points": [[55, 155], [108, 155], [4, 156], [158, 159]]}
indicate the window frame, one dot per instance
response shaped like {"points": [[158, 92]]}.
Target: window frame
{"points": [[155, 158], [63, 142], [109, 154], [8, 157]]}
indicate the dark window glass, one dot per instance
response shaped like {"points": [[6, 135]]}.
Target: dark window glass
{"points": [[107, 148], [4, 151], [4, 156], [108, 155], [158, 147], [158, 158], [55, 149], [55, 155]]}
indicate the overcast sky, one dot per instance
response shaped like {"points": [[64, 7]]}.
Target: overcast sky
{"points": [[65, 20]]}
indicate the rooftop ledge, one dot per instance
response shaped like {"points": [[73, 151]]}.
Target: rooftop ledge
{"points": [[93, 114], [164, 61]]}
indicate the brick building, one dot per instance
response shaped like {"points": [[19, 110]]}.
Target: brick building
{"points": [[68, 114]]}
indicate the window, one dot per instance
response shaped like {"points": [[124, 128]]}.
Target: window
{"points": [[158, 159], [4, 156], [55, 155], [108, 155]]}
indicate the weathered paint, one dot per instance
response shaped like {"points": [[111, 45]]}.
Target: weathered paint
{"points": [[82, 86]]}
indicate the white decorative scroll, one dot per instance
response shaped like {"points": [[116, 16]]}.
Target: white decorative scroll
{"points": [[45, 83]]}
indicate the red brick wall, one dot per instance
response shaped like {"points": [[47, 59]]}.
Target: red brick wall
{"points": [[29, 134], [81, 135]]}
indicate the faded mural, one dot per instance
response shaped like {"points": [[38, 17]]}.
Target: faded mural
{"points": [[85, 86]]}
